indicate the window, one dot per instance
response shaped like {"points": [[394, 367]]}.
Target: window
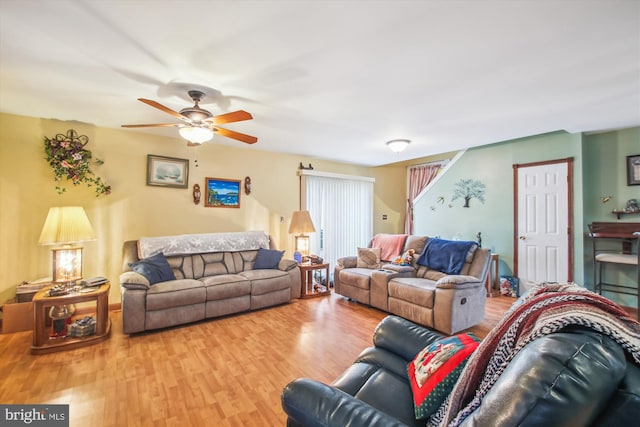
{"points": [[341, 207]]}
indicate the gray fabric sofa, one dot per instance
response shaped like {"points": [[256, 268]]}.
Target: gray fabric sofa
{"points": [[208, 284], [446, 302]]}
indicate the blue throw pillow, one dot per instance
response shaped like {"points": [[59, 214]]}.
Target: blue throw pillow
{"points": [[267, 259], [156, 269]]}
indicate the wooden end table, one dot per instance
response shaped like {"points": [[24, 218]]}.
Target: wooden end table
{"points": [[42, 343], [308, 287], [491, 281]]}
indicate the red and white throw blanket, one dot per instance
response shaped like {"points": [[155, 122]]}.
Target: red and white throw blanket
{"points": [[546, 309]]}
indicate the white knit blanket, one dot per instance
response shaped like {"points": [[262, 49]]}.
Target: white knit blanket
{"points": [[186, 244]]}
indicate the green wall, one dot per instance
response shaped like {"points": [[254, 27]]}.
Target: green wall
{"points": [[599, 169], [605, 174]]}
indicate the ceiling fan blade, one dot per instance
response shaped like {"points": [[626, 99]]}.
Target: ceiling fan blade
{"points": [[165, 109], [236, 135], [235, 116], [153, 125]]}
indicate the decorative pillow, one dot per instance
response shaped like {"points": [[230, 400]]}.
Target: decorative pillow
{"points": [[435, 370], [267, 259], [368, 258], [156, 269]]}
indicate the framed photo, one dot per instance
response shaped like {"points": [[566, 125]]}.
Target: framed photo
{"points": [[167, 171], [633, 170], [222, 193]]}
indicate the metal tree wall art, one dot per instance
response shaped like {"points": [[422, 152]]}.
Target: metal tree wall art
{"points": [[467, 189], [69, 159]]}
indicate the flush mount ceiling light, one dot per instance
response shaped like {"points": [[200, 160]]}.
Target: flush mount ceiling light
{"points": [[398, 145], [196, 134]]}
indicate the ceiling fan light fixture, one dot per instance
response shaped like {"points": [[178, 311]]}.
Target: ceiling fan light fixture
{"points": [[196, 134], [398, 145]]}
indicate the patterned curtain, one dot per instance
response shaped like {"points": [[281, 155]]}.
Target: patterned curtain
{"points": [[419, 177]]}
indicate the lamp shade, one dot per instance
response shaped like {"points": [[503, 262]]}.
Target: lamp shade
{"points": [[301, 223], [67, 224]]}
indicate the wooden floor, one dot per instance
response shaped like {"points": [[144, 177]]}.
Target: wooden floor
{"points": [[222, 372]]}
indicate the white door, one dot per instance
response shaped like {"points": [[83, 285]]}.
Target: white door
{"points": [[543, 223]]}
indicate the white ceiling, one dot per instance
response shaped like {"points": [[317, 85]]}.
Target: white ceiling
{"points": [[330, 79]]}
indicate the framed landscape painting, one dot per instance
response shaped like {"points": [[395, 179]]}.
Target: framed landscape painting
{"points": [[167, 171], [222, 193]]}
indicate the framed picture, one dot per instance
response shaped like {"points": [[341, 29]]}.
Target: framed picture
{"points": [[167, 171], [222, 193], [633, 170]]}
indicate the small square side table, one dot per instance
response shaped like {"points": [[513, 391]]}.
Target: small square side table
{"points": [[308, 286]]}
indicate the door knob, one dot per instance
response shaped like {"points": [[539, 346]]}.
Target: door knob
{"points": [[522, 238]]}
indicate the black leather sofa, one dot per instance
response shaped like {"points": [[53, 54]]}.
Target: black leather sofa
{"points": [[572, 377]]}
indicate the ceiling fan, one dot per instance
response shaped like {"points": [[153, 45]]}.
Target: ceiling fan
{"points": [[198, 125]]}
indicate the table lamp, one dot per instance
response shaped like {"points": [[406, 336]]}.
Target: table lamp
{"points": [[301, 223], [65, 227]]}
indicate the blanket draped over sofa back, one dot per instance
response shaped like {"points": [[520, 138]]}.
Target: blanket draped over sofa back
{"points": [[197, 243], [390, 245]]}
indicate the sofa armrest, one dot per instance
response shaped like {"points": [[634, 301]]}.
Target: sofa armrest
{"points": [[403, 337], [133, 280], [458, 281], [311, 403], [287, 264], [347, 262]]}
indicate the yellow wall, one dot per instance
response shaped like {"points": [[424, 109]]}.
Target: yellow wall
{"points": [[27, 191]]}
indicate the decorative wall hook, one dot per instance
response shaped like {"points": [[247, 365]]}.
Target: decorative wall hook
{"points": [[196, 194], [247, 185]]}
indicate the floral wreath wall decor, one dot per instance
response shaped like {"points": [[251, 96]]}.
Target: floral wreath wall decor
{"points": [[68, 157]]}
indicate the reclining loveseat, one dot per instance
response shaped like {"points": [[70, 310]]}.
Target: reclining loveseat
{"points": [[441, 288]]}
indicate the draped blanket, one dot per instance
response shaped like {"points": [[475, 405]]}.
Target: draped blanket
{"points": [[390, 245], [198, 243], [447, 256], [544, 310]]}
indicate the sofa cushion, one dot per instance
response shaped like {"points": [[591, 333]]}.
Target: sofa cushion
{"points": [[267, 259], [420, 292], [435, 370], [368, 258], [225, 286], [447, 256], [385, 389], [265, 281], [358, 277], [175, 293], [155, 268]]}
